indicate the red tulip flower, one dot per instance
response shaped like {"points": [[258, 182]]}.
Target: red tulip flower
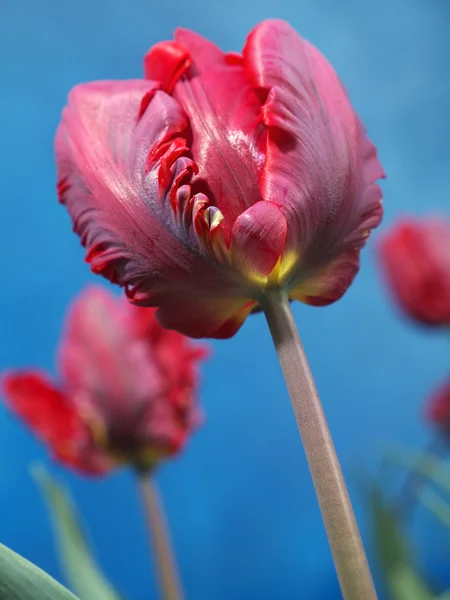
{"points": [[437, 410], [127, 388], [223, 184], [219, 177], [415, 256]]}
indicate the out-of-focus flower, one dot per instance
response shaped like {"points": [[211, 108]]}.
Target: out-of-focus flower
{"points": [[219, 177], [437, 409], [127, 389], [415, 256]]}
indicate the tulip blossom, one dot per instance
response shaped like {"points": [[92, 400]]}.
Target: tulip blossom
{"points": [[437, 410], [219, 177], [126, 392], [223, 184], [415, 256]]}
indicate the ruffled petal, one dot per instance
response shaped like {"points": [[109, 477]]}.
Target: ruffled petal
{"points": [[164, 59], [174, 352], [166, 62], [135, 382], [257, 239], [124, 170], [331, 283], [53, 418], [224, 115], [146, 326], [107, 368], [42, 406], [197, 317], [178, 360], [320, 168]]}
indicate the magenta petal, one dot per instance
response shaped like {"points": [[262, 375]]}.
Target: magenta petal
{"points": [[122, 159], [131, 381], [415, 256], [202, 51], [47, 409], [227, 133], [330, 283], [320, 167], [166, 62], [258, 237], [105, 366], [199, 317]]}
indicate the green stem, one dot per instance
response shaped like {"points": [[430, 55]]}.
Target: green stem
{"points": [[166, 568], [416, 479], [335, 504]]}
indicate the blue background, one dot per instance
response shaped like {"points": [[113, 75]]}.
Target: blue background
{"points": [[242, 509]]}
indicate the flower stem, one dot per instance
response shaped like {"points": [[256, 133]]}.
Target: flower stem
{"points": [[158, 531], [335, 504]]}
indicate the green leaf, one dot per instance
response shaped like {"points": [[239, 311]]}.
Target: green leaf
{"points": [[80, 568], [392, 548], [428, 465], [436, 505], [395, 554], [406, 584], [21, 580]]}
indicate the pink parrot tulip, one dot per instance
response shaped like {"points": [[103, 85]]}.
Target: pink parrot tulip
{"points": [[220, 176]]}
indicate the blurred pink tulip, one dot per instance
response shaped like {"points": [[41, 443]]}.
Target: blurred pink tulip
{"points": [[437, 410], [415, 256], [127, 389]]}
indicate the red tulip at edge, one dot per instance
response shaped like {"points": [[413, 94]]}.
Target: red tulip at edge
{"points": [[220, 176], [127, 389], [415, 256], [437, 409]]}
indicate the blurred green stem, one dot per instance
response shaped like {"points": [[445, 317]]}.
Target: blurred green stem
{"points": [[344, 538], [416, 479], [158, 530]]}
